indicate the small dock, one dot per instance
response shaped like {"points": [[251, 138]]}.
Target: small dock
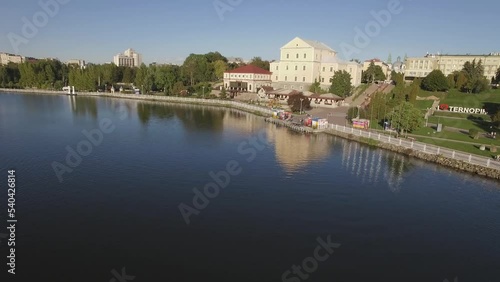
{"points": [[291, 125]]}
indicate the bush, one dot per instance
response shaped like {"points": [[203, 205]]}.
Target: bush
{"points": [[474, 133]]}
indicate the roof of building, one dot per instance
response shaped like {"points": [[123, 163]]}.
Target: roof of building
{"points": [[250, 69], [318, 45], [267, 88], [377, 60], [284, 92]]}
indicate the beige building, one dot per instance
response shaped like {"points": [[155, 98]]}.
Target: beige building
{"points": [[302, 62], [386, 69], [6, 58], [80, 63], [422, 66], [247, 79], [129, 58]]}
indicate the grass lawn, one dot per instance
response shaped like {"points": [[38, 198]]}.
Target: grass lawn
{"points": [[468, 148], [465, 124], [423, 104], [429, 132], [468, 100], [459, 115], [424, 94]]}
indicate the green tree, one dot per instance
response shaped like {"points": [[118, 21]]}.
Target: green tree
{"points": [[299, 101], [475, 80], [373, 73], [258, 62], [178, 88], [220, 67], [223, 93], [497, 77], [451, 80], [435, 81], [406, 117], [316, 88], [341, 84], [413, 91]]}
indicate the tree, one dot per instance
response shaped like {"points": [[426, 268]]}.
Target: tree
{"points": [[178, 88], [475, 80], [341, 84], [406, 117], [389, 60], [373, 73], [219, 67], [223, 93], [497, 77], [316, 88], [258, 62], [295, 101], [414, 90], [451, 80], [435, 81]]}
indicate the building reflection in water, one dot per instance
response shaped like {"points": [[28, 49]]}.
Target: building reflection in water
{"points": [[83, 106], [370, 165], [294, 151]]}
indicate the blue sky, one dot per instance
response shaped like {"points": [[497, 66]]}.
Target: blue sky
{"points": [[168, 31]]}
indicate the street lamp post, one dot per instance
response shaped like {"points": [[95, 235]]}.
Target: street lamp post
{"points": [[301, 100]]}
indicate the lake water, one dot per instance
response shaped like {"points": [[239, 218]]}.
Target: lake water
{"points": [[339, 210]]}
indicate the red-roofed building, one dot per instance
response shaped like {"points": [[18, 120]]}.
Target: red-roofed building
{"points": [[247, 79]]}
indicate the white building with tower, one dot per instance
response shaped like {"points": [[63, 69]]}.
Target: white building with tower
{"points": [[129, 58]]}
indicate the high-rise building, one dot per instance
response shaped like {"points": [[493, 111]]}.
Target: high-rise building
{"points": [[129, 58]]}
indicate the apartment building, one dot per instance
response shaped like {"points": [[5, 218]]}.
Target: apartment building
{"points": [[129, 58], [421, 66]]}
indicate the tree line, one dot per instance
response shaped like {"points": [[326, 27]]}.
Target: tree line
{"points": [[197, 72], [470, 79]]}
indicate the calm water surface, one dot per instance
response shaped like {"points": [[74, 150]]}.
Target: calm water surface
{"points": [[395, 218]]}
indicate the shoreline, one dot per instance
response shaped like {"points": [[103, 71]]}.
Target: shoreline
{"points": [[457, 165]]}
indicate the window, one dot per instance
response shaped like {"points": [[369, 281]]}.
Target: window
{"points": [[304, 79], [297, 56], [286, 67], [302, 88], [276, 78], [250, 87], [323, 68], [286, 78], [295, 78], [304, 68], [296, 67], [305, 55], [331, 69], [276, 67], [322, 79], [288, 56]]}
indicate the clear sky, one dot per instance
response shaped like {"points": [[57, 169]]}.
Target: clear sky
{"points": [[169, 30]]}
